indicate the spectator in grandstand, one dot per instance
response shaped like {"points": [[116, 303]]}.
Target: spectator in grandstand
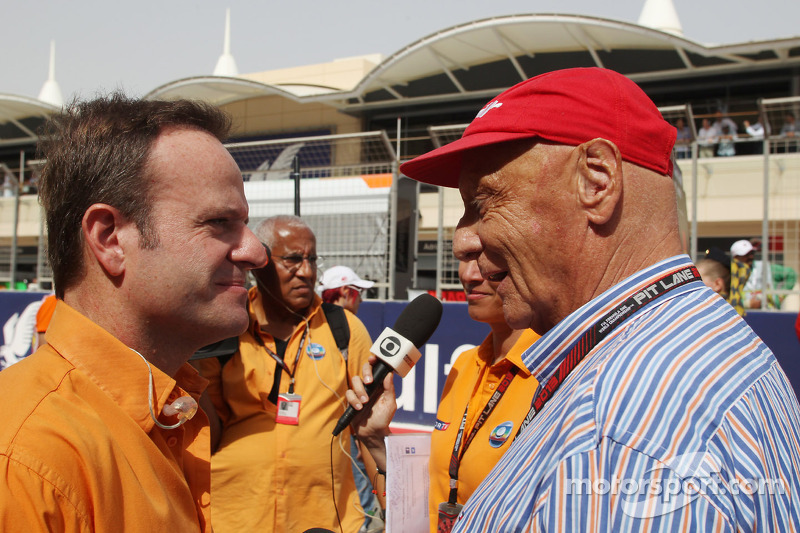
{"points": [[726, 142], [149, 247], [684, 139], [706, 139], [789, 128], [721, 119], [279, 395], [569, 204], [790, 131], [341, 286], [471, 383], [756, 132]]}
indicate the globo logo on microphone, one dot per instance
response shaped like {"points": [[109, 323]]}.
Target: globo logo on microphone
{"points": [[390, 346], [396, 351]]}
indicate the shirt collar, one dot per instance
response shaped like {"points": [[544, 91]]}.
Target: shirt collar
{"points": [[115, 368], [544, 356], [259, 320], [514, 355]]}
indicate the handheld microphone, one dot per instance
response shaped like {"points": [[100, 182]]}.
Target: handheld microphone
{"points": [[398, 349]]}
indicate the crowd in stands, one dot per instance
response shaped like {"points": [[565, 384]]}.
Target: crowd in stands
{"points": [[719, 135]]}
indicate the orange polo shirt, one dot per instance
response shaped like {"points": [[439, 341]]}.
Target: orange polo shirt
{"points": [[267, 476], [78, 449], [470, 383]]}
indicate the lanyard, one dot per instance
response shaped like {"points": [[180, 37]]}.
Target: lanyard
{"points": [[458, 450], [601, 329], [281, 363]]}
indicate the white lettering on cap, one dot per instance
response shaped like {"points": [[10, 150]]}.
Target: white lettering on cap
{"points": [[488, 107]]}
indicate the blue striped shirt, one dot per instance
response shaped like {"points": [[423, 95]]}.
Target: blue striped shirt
{"points": [[680, 420]]}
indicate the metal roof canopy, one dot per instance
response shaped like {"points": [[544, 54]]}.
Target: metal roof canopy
{"points": [[481, 58], [219, 90], [20, 116], [473, 60]]}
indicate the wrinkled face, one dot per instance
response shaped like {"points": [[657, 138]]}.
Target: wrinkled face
{"points": [[484, 304], [520, 225], [291, 284], [193, 282]]}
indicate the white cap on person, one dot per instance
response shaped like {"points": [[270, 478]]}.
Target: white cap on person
{"points": [[341, 276], [741, 248]]}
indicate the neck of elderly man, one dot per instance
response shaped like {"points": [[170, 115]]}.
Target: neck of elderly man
{"points": [[565, 223]]}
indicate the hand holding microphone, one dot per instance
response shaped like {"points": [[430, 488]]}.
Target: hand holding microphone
{"points": [[398, 349]]}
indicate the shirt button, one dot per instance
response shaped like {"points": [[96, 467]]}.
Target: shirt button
{"points": [[172, 441], [491, 386]]}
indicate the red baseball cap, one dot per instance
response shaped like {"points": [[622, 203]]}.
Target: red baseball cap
{"points": [[569, 106]]}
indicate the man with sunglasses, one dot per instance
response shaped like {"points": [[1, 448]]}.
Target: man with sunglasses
{"points": [[279, 397]]}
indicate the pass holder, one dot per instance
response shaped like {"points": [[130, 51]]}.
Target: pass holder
{"points": [[448, 512], [288, 409]]}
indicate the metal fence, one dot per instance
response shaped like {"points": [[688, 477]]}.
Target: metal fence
{"points": [[345, 188], [342, 187]]}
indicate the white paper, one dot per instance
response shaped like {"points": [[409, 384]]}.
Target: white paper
{"points": [[407, 482]]}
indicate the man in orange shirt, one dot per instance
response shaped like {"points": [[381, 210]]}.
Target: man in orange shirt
{"points": [[278, 399], [149, 246]]}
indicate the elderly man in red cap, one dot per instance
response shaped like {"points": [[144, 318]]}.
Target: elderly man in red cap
{"points": [[658, 407]]}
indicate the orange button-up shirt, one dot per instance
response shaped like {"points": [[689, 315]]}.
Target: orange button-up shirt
{"points": [[470, 384], [275, 477], [78, 449]]}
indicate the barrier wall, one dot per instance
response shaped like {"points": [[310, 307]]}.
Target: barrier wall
{"points": [[419, 392]]}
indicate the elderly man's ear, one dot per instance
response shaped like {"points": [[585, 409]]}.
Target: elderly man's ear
{"points": [[599, 179]]}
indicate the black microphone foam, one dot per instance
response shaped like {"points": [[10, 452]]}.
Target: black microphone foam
{"points": [[416, 323], [419, 319]]}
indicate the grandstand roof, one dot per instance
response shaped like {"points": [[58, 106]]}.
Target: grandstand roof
{"points": [[217, 90], [472, 60], [483, 57], [20, 117]]}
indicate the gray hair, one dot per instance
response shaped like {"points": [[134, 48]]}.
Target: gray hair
{"points": [[265, 230]]}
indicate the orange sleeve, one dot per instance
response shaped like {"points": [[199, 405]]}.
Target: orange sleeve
{"points": [[45, 313]]}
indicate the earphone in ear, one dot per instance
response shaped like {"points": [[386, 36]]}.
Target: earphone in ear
{"points": [[184, 407]]}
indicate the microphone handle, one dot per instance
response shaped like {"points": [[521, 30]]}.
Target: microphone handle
{"points": [[379, 372]]}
